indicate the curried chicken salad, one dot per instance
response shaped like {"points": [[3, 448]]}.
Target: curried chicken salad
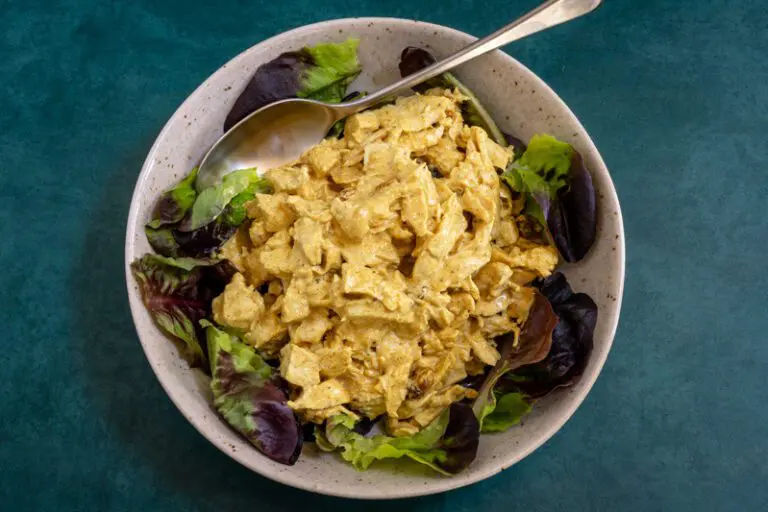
{"points": [[391, 294]]}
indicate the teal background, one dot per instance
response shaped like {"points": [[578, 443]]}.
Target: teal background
{"points": [[675, 95]]}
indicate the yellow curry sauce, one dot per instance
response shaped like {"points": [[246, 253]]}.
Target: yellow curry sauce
{"points": [[384, 265]]}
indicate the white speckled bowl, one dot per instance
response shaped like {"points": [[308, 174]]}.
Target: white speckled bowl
{"points": [[521, 104]]}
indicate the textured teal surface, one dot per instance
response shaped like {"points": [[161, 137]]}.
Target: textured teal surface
{"points": [[675, 95]]}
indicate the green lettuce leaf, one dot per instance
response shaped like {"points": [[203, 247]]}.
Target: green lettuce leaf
{"points": [[539, 174], [235, 212], [335, 67], [559, 194], [180, 224], [211, 202], [178, 293], [163, 241], [175, 203], [448, 445], [322, 72], [334, 93], [248, 395], [543, 168], [504, 411], [169, 210]]}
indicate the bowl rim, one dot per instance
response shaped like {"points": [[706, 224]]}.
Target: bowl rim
{"points": [[440, 484]]}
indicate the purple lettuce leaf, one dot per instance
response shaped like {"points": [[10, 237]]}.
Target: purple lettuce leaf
{"points": [[178, 294], [572, 219], [204, 241], [560, 193], [460, 440], [518, 145], [249, 394], [572, 342], [532, 346], [174, 204], [322, 72]]}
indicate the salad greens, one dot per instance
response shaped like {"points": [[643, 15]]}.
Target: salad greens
{"points": [[447, 445], [320, 72], [179, 283], [178, 294], [169, 211], [162, 241], [559, 193], [508, 410], [185, 223], [248, 395], [572, 219], [532, 346], [175, 203], [242, 186], [335, 66], [572, 340], [543, 167]]}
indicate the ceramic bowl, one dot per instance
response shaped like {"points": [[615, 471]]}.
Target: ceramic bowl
{"points": [[521, 103]]}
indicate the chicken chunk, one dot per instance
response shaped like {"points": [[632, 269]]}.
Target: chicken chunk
{"points": [[239, 305], [299, 366]]}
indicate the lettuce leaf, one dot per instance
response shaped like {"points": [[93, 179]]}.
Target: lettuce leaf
{"points": [[204, 241], [174, 203], [185, 224], [322, 72], [178, 293], [248, 395], [572, 219], [169, 210], [505, 411], [543, 168], [163, 241], [448, 445], [533, 346], [559, 193], [241, 185], [335, 67], [572, 341]]}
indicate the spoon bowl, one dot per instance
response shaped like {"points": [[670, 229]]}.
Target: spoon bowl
{"points": [[267, 138]]}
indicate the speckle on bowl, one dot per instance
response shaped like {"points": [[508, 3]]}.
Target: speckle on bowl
{"points": [[522, 105]]}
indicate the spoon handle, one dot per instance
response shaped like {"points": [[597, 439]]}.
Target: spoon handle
{"points": [[548, 14]]}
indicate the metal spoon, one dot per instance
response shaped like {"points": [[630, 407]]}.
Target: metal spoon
{"points": [[282, 131]]}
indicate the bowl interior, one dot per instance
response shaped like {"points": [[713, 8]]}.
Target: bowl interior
{"points": [[521, 104]]}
